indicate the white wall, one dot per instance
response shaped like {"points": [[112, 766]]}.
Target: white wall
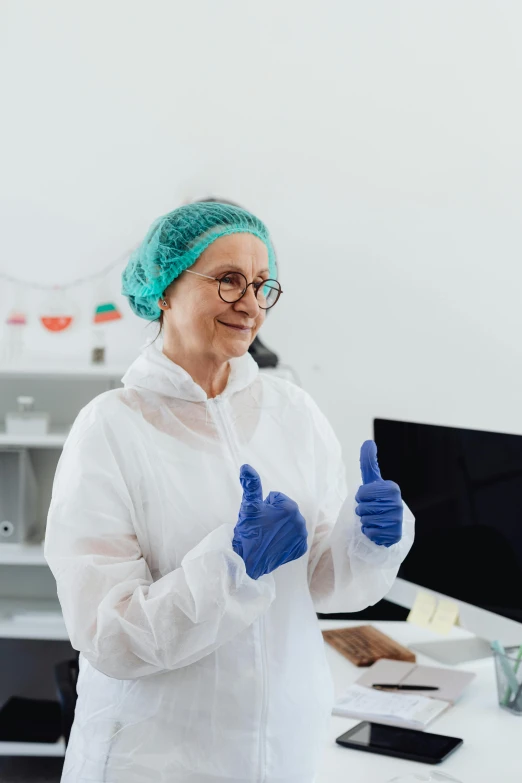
{"points": [[379, 140]]}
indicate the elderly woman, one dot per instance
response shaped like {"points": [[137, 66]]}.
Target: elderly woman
{"points": [[190, 593]]}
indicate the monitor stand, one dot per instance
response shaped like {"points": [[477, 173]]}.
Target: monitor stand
{"points": [[454, 651]]}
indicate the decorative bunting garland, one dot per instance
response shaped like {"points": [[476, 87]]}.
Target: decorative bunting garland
{"points": [[57, 314]]}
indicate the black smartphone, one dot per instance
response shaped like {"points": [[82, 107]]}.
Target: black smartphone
{"points": [[402, 743]]}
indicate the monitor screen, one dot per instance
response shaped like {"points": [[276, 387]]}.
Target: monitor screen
{"points": [[465, 489]]}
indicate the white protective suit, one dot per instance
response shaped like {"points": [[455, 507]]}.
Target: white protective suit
{"points": [[190, 671]]}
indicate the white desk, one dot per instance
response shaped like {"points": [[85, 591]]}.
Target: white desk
{"points": [[492, 749]]}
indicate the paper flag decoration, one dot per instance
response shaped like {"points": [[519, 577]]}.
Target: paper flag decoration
{"points": [[106, 312], [56, 323], [12, 345], [57, 312], [16, 318]]}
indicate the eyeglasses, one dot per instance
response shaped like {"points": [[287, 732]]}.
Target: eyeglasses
{"points": [[234, 285]]}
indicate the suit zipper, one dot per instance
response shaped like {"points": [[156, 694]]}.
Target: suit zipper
{"points": [[234, 455], [264, 708], [227, 435]]}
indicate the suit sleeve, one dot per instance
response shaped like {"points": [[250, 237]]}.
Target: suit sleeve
{"points": [[126, 624]]}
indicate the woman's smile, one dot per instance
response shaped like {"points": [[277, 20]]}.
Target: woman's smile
{"points": [[237, 327]]}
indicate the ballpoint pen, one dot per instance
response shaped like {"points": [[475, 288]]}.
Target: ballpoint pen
{"points": [[389, 687]]}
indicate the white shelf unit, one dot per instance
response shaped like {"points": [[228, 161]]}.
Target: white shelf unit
{"points": [[52, 440], [22, 554], [63, 371], [33, 636], [56, 749], [39, 630]]}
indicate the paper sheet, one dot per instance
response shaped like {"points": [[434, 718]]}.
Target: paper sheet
{"points": [[422, 610], [361, 702], [445, 617]]}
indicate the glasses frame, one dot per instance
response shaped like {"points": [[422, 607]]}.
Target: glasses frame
{"points": [[256, 286]]}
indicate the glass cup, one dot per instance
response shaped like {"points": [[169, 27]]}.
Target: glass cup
{"points": [[509, 679]]}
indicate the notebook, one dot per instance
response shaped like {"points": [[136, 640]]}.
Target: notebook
{"points": [[409, 709], [393, 709]]}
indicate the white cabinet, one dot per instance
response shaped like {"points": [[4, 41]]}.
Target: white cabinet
{"points": [[32, 632]]}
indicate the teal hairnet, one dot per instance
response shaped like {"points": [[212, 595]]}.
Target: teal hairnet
{"points": [[175, 241]]}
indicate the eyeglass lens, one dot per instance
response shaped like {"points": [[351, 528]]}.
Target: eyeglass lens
{"points": [[233, 285]]}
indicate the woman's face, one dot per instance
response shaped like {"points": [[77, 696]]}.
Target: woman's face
{"points": [[197, 320]]}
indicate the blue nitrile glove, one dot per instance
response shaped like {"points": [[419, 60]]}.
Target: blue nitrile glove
{"points": [[269, 532], [379, 502]]}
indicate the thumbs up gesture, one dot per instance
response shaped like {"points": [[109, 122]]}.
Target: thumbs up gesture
{"points": [[268, 532], [379, 502]]}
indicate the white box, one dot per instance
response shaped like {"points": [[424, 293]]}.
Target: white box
{"points": [[31, 423]]}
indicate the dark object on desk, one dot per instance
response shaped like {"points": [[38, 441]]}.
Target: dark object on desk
{"points": [[401, 743], [382, 610], [66, 677], [30, 720], [380, 687], [363, 645], [262, 355]]}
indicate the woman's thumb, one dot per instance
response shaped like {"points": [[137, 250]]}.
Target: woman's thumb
{"points": [[251, 483]]}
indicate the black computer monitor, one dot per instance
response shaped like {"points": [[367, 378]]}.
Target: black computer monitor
{"points": [[465, 489]]}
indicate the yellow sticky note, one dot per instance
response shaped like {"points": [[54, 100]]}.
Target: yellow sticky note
{"points": [[445, 617], [422, 610]]}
